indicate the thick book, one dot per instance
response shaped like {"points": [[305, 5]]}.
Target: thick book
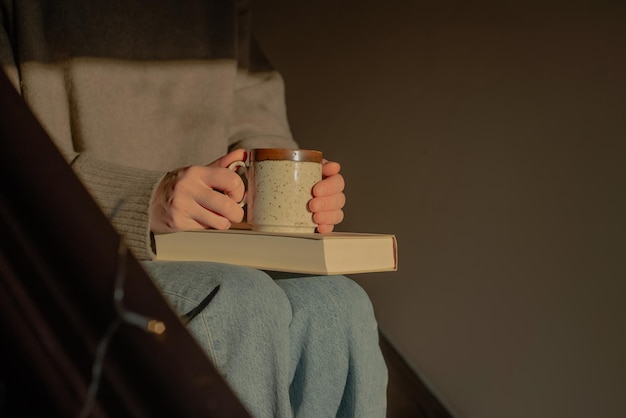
{"points": [[321, 254]]}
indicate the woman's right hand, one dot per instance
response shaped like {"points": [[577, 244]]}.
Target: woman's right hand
{"points": [[199, 197]]}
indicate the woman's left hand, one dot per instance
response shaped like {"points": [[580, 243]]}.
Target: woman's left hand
{"points": [[328, 198]]}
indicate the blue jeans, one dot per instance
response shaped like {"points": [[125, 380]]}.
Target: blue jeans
{"points": [[288, 345]]}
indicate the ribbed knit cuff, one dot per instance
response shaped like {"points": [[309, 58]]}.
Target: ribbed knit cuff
{"points": [[128, 192]]}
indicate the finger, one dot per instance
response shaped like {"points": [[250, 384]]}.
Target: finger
{"points": [[325, 229], [213, 204], [333, 217], [326, 203], [334, 184], [186, 222], [330, 168], [208, 210], [211, 220], [217, 178]]}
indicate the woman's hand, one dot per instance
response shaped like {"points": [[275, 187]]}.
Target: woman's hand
{"points": [[199, 197], [328, 198]]}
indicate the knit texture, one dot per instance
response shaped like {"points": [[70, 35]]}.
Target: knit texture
{"points": [[129, 90]]}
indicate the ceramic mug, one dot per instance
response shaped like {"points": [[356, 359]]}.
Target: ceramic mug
{"points": [[279, 187]]}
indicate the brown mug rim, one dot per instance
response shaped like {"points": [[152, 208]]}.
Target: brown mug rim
{"points": [[285, 154]]}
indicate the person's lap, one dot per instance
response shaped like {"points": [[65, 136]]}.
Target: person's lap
{"points": [[286, 343]]}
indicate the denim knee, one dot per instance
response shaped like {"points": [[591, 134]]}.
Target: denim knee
{"points": [[338, 299], [254, 296], [360, 309]]}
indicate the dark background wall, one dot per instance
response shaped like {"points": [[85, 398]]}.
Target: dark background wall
{"points": [[490, 137]]}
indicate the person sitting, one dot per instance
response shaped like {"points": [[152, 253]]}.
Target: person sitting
{"points": [[150, 102]]}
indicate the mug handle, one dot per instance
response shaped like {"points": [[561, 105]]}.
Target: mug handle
{"points": [[234, 166]]}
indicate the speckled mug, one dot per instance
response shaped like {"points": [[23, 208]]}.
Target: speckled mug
{"points": [[280, 184]]}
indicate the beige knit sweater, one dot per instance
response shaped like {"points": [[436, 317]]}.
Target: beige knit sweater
{"points": [[130, 89]]}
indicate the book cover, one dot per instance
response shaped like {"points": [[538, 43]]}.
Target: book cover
{"points": [[321, 254]]}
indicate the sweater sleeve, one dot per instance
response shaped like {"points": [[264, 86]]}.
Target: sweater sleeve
{"points": [[124, 194]]}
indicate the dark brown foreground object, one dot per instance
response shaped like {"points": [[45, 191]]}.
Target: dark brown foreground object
{"points": [[58, 265]]}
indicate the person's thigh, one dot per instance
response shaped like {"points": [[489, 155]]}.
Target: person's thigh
{"points": [[244, 329], [247, 305], [334, 344]]}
